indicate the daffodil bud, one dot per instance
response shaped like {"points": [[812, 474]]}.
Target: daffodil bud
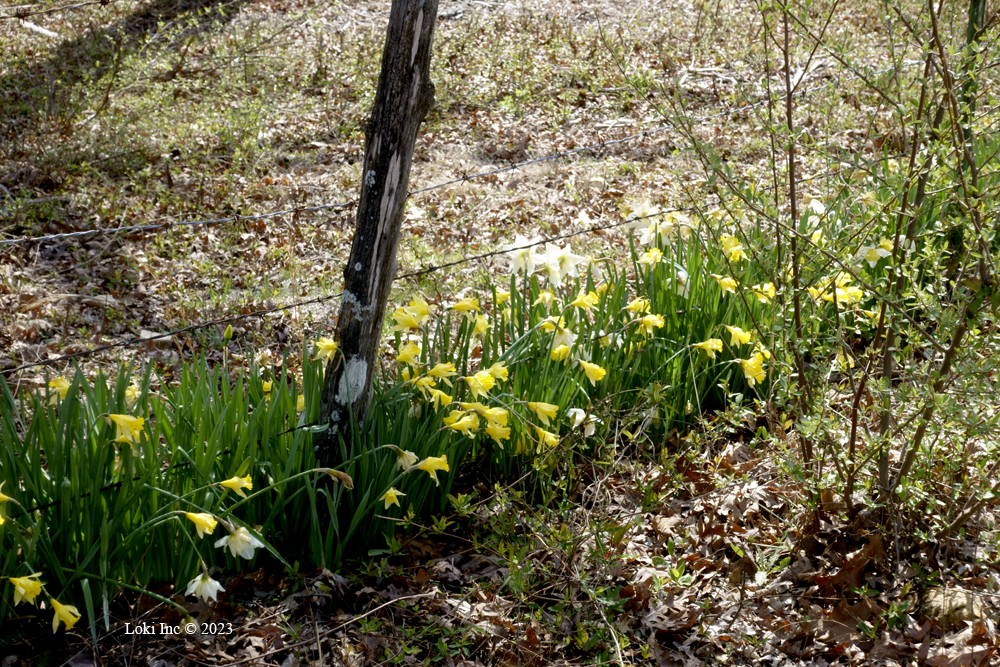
{"points": [[228, 336]]}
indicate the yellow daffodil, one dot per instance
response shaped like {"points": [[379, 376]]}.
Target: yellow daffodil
{"points": [[480, 383], [545, 298], [463, 422], [868, 199], [594, 372], [640, 305], [502, 296], [845, 361], [26, 588], [586, 301], [498, 371], [753, 368], [237, 484], [733, 249], [650, 322], [405, 320], [438, 398], [482, 326], [443, 372], [204, 523], [3, 497], [497, 432], [710, 346], [726, 283], [602, 288], [560, 353], [408, 353], [300, 403], [738, 336], [652, 257], [551, 323], [547, 438], [545, 411], [131, 395], [818, 239], [391, 497], [129, 428], [419, 308], [466, 305], [326, 348], [432, 464], [763, 350], [61, 387], [64, 613], [266, 386], [764, 293]]}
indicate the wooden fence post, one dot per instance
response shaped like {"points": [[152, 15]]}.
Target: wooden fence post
{"points": [[404, 95]]}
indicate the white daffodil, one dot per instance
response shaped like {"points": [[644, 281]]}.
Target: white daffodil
{"points": [[204, 587], [521, 254], [240, 543], [580, 417]]}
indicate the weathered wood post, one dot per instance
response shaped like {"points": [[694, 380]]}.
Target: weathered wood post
{"points": [[405, 94]]}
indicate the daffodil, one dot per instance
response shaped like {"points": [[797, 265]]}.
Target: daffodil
{"points": [[129, 428], [547, 438], [586, 301], [443, 372], [498, 371], [738, 336], [3, 497], [482, 326], [651, 257], [300, 403], [594, 372], [602, 288], [203, 522], [845, 361], [872, 254], [497, 432], [326, 348], [480, 383], [432, 464], [266, 386], [204, 587], [733, 249], [639, 305], [649, 322], [391, 497], [405, 320], [26, 588], [818, 239], [710, 346], [764, 293], [61, 387], [438, 398], [466, 305], [404, 459], [132, 395], [502, 296], [464, 423], [408, 353], [868, 199], [753, 368], [240, 543], [521, 255], [545, 411], [545, 298], [237, 484], [65, 613], [557, 263], [419, 307], [642, 215], [560, 353], [581, 418]]}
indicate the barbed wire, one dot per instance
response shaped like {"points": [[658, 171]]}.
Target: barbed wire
{"points": [[412, 274], [454, 181], [22, 11]]}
